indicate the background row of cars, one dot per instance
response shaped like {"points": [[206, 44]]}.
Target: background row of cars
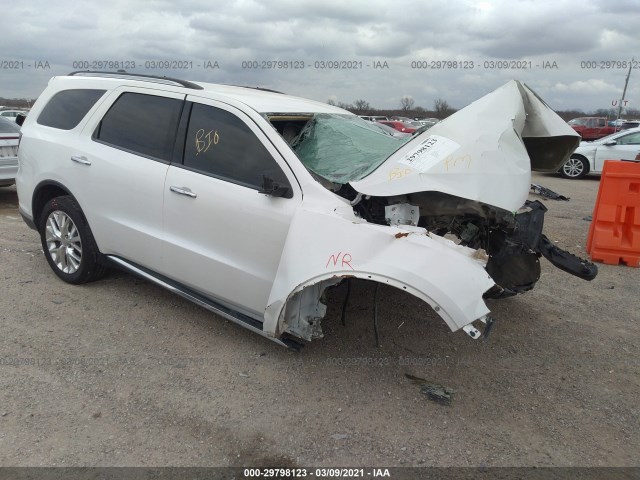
{"points": [[593, 128], [620, 142], [603, 139], [9, 140], [403, 125], [590, 156]]}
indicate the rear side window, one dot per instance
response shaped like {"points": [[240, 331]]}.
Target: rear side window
{"points": [[68, 107], [220, 144], [141, 124]]}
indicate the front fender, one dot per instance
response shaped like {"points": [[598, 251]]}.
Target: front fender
{"points": [[324, 247]]}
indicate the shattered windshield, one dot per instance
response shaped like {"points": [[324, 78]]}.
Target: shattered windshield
{"points": [[343, 148]]}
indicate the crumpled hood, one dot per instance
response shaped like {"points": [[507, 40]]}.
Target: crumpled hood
{"points": [[484, 152]]}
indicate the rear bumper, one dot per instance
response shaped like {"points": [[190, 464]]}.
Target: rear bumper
{"points": [[8, 171]]}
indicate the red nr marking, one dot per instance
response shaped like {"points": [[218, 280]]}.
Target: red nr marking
{"points": [[343, 258]]}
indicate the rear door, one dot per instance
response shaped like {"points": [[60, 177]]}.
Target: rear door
{"points": [[123, 160], [626, 148], [222, 237]]}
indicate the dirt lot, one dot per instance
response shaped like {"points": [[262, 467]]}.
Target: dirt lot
{"points": [[120, 372]]}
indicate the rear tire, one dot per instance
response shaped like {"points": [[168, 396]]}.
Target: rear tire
{"points": [[574, 168], [68, 243]]}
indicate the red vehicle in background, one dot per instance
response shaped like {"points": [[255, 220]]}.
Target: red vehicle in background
{"points": [[400, 126], [591, 128]]}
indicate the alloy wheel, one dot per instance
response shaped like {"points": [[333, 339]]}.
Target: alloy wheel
{"points": [[574, 167], [63, 242]]}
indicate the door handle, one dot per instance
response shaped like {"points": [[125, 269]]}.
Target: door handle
{"points": [[80, 159], [183, 191]]}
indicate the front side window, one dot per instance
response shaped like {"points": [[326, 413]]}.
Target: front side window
{"points": [[68, 107], [220, 144], [141, 124], [632, 139]]}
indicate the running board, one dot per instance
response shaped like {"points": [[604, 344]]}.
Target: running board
{"points": [[215, 307]]}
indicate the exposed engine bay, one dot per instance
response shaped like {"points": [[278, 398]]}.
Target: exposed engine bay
{"points": [[512, 242]]}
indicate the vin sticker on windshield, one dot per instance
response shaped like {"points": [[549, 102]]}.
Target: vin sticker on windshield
{"points": [[429, 152]]}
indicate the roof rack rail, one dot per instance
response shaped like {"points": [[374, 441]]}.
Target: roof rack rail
{"points": [[141, 76], [258, 88]]}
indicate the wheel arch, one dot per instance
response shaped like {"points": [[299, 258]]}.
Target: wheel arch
{"points": [[302, 310], [45, 191]]}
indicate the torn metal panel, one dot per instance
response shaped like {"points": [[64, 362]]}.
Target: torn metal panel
{"points": [[328, 246], [484, 152]]}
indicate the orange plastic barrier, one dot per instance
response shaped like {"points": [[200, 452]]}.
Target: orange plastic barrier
{"points": [[614, 235]]}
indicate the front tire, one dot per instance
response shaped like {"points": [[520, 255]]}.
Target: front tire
{"points": [[68, 243], [574, 168]]}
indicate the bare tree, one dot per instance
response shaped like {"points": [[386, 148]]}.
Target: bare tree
{"points": [[442, 107], [605, 112], [331, 102], [633, 112], [361, 105], [407, 103]]}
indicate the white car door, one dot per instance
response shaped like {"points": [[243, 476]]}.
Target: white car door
{"points": [[123, 158], [223, 238], [626, 147]]}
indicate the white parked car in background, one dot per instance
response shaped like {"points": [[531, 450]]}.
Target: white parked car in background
{"points": [[9, 139], [589, 157], [251, 203], [12, 114]]}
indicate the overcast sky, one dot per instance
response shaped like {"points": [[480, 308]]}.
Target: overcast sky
{"points": [[479, 35]]}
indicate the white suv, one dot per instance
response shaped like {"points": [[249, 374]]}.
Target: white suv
{"points": [[251, 203]]}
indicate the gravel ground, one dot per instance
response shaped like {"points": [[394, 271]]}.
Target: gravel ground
{"points": [[121, 372]]}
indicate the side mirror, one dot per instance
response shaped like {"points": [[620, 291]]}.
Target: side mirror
{"points": [[20, 118], [269, 187], [610, 143]]}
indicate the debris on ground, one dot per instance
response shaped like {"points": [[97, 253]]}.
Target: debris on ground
{"points": [[545, 192], [434, 391]]}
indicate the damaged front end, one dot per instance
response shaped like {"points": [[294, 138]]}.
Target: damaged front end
{"points": [[443, 215], [512, 242]]}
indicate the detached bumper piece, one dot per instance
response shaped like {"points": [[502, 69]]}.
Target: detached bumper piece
{"points": [[567, 261], [514, 255]]}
